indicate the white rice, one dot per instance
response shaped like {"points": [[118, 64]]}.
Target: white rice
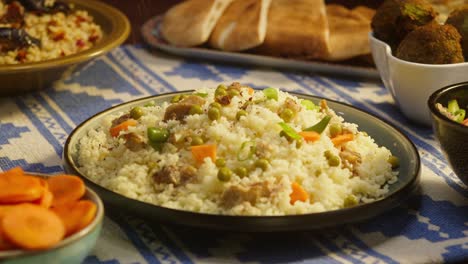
{"points": [[107, 161], [60, 35]]}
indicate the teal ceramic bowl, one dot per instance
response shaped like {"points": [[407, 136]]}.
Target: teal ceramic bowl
{"points": [[71, 250], [383, 133]]}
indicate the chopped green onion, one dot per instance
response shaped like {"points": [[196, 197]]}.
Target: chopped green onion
{"points": [[320, 126], [453, 106], [150, 104], [289, 131], [201, 94], [246, 150], [271, 93], [459, 115], [309, 105]]}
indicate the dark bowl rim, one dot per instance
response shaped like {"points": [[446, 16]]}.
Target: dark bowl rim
{"points": [[404, 191], [433, 99], [119, 32], [98, 219]]}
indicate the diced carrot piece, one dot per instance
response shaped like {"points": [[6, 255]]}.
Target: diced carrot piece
{"points": [[115, 130], [66, 189], [201, 152], [310, 136], [15, 187], [250, 90], [32, 227], [298, 193], [76, 216], [343, 138]]}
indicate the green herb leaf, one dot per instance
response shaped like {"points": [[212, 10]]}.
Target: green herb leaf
{"points": [[309, 105], [201, 94], [246, 150], [320, 126], [289, 131]]}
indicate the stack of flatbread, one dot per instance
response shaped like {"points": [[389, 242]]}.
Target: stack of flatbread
{"points": [[286, 28]]}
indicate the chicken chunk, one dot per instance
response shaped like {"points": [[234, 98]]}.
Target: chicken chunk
{"points": [[235, 194], [180, 110], [175, 175]]}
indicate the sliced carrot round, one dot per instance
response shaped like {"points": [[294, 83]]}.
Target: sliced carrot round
{"points": [[4, 243], [17, 188], [66, 189], [76, 216], [32, 227]]}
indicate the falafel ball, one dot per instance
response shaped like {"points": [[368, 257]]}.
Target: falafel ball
{"points": [[459, 19], [432, 44], [396, 18]]}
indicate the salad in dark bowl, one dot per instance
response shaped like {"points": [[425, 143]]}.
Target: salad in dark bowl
{"points": [[448, 107]]}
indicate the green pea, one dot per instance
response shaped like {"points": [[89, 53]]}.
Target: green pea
{"points": [[240, 114], [157, 134], [176, 98], [136, 112], [287, 114], [221, 86], [221, 90], [262, 164], [333, 160], [156, 145], [394, 161], [233, 92], [196, 140], [216, 105], [350, 200], [241, 171], [271, 93], [196, 110], [299, 143], [220, 162], [335, 130], [214, 113], [224, 174]]}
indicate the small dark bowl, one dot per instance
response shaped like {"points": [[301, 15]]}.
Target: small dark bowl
{"points": [[452, 135]]}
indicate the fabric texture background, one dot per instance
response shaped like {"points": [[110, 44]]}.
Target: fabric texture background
{"points": [[431, 227]]}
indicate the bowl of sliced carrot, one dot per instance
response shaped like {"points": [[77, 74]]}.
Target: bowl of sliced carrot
{"points": [[47, 218]]}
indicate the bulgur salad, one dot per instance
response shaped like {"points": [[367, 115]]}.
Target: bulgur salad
{"points": [[37, 30], [234, 150]]}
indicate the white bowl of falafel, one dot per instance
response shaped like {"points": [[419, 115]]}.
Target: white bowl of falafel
{"points": [[416, 53]]}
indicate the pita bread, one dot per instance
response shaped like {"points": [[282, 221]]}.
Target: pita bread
{"points": [[296, 28], [242, 26], [190, 23], [349, 31]]}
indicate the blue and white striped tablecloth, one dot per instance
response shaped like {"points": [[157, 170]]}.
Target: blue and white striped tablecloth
{"points": [[432, 227]]}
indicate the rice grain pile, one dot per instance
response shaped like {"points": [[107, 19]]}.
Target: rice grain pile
{"points": [[252, 155], [60, 33]]}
